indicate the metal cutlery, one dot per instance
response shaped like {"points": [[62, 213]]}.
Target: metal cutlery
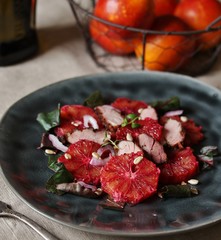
{"points": [[6, 211]]}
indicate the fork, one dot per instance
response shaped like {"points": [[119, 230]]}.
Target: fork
{"points": [[7, 211]]}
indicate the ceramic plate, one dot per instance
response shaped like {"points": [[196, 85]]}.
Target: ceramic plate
{"points": [[25, 168]]}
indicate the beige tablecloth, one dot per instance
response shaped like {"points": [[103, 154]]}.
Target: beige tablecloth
{"points": [[62, 55]]}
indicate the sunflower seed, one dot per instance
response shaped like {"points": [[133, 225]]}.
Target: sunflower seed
{"points": [[95, 155], [183, 118], [67, 156], [138, 159], [49, 151], [140, 110], [129, 137], [193, 181]]}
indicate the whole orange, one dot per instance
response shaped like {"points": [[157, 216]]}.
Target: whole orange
{"points": [[166, 52], [117, 45], [133, 13], [163, 7], [198, 15]]}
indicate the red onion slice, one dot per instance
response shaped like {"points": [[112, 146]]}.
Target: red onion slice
{"points": [[107, 148], [101, 161], [89, 119], [83, 184], [173, 113], [97, 162], [206, 159], [56, 143]]}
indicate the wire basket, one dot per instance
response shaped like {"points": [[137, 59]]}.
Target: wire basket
{"points": [[199, 62]]}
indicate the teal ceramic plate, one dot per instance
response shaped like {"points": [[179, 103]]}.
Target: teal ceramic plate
{"points": [[25, 168]]}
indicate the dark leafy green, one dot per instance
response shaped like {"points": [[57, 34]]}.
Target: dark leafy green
{"points": [[112, 205], [94, 100], [45, 142], [178, 191], [53, 162], [49, 120], [61, 176], [170, 104]]}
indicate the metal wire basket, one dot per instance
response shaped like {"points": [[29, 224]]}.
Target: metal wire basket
{"points": [[199, 61]]}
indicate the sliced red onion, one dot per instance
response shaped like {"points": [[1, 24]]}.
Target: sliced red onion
{"points": [[107, 148], [89, 119], [99, 161], [56, 143], [173, 113], [207, 154], [206, 159], [83, 184], [209, 150]]}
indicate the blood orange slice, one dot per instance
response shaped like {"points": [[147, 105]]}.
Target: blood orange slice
{"points": [[148, 126], [129, 178], [126, 105], [180, 167], [72, 117], [77, 161]]}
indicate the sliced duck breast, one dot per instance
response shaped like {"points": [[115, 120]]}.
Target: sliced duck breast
{"points": [[88, 134], [110, 116], [173, 132], [127, 147], [148, 112], [153, 148]]}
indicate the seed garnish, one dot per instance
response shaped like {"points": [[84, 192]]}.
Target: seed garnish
{"points": [[129, 137], [138, 160], [49, 151], [95, 155], [67, 156], [193, 181]]}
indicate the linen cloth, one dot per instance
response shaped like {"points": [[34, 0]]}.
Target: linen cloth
{"points": [[62, 55]]}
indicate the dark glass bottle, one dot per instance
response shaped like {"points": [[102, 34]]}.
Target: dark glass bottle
{"points": [[18, 38]]}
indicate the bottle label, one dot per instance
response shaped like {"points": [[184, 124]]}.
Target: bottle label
{"points": [[15, 19]]}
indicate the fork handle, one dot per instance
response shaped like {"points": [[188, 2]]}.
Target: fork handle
{"points": [[40, 230]]}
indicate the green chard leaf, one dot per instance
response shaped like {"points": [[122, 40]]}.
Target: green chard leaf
{"points": [[94, 100], [170, 104], [49, 120], [178, 191], [53, 162], [61, 176]]}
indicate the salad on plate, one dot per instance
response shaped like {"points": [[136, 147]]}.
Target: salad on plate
{"points": [[124, 151]]}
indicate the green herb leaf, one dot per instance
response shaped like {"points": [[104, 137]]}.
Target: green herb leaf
{"points": [[61, 176], [125, 123], [130, 119], [53, 162], [170, 104], [131, 116], [94, 100], [135, 125], [178, 191], [49, 120]]}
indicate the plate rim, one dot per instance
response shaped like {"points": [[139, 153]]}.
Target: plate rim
{"points": [[189, 228]]}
